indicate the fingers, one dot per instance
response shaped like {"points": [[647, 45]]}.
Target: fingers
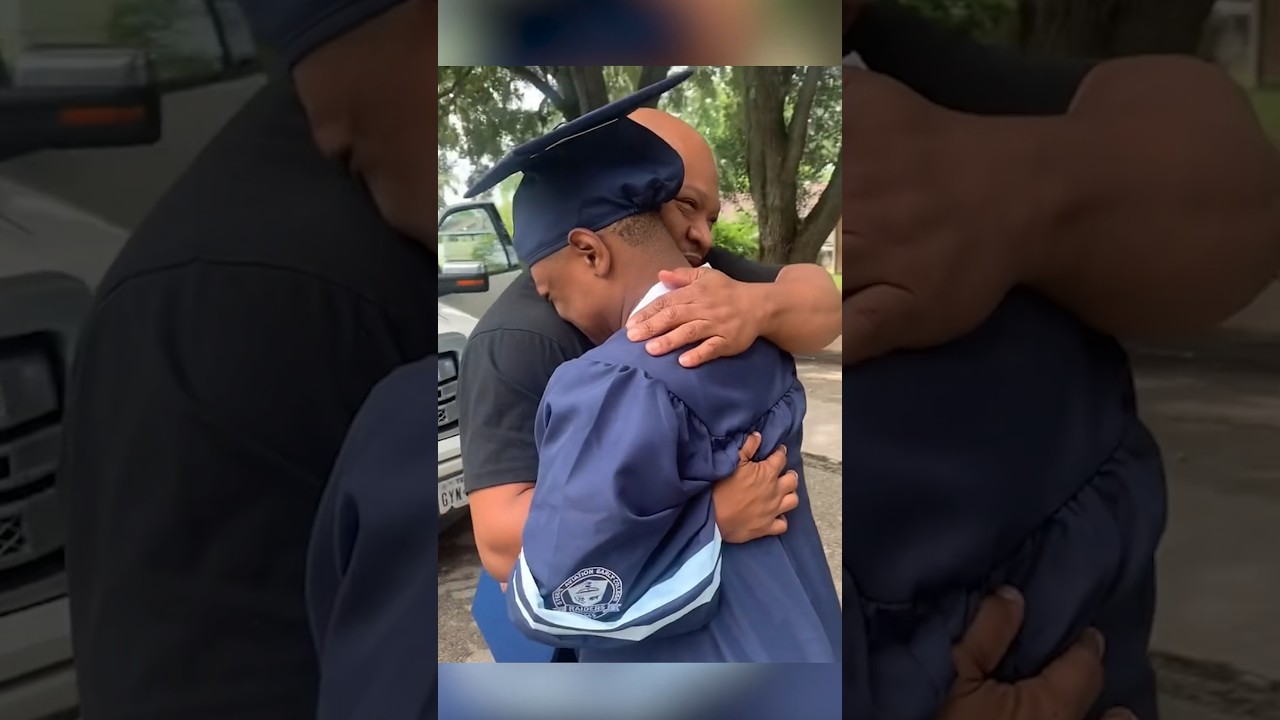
{"points": [[988, 637], [692, 331], [789, 482], [1071, 683], [665, 314], [790, 502], [778, 526], [872, 319], [750, 447], [679, 277], [710, 349], [776, 461]]}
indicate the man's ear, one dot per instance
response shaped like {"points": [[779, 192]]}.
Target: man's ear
{"points": [[589, 248]]}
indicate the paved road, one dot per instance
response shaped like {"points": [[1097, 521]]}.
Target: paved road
{"points": [[1217, 633]]}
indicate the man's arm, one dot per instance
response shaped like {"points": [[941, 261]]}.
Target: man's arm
{"points": [[503, 375], [1147, 204], [207, 407], [1163, 192], [618, 547], [796, 307]]}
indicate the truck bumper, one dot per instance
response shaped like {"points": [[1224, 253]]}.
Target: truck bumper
{"points": [[37, 677]]}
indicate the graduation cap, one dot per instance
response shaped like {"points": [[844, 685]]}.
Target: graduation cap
{"points": [[588, 173]]}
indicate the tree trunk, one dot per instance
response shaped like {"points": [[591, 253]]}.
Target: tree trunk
{"points": [[773, 184], [775, 145], [589, 87], [650, 74], [577, 90], [1111, 28]]}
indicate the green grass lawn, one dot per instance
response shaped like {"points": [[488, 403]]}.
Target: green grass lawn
{"points": [[1267, 103], [837, 277]]}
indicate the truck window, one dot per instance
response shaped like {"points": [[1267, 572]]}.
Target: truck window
{"points": [[470, 234], [192, 42]]}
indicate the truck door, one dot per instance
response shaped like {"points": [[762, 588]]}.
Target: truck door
{"points": [[475, 232]]}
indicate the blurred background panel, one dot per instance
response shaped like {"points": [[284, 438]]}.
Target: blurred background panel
{"points": [[207, 65], [640, 692], [709, 32]]}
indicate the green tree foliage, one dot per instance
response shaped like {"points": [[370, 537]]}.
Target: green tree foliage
{"points": [[1079, 28], [738, 234], [992, 21], [153, 25], [487, 110]]}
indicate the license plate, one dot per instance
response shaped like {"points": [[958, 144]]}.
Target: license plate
{"points": [[452, 495]]}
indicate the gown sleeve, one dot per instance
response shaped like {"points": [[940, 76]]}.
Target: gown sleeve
{"points": [[371, 585], [618, 546]]}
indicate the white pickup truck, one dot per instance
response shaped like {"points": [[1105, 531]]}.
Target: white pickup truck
{"points": [[477, 263], [455, 327], [51, 256]]}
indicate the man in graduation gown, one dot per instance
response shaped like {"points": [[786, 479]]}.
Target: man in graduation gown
{"points": [[622, 557]]}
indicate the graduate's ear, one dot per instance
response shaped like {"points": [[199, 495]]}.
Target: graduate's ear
{"points": [[589, 248]]}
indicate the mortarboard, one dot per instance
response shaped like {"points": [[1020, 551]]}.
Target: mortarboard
{"points": [[296, 27], [588, 173]]}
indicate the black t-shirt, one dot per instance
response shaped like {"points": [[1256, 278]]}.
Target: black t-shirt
{"points": [[506, 365], [230, 345]]}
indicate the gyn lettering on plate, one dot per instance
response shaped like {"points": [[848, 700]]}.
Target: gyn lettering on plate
{"points": [[452, 494]]}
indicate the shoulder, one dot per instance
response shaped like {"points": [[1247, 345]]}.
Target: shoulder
{"points": [[387, 427], [604, 368], [615, 370], [261, 195], [207, 285]]}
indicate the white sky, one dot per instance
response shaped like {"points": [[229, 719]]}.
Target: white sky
{"points": [[460, 168]]}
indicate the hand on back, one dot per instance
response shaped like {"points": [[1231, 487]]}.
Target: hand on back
{"points": [[935, 216], [706, 307], [751, 503], [1066, 690]]}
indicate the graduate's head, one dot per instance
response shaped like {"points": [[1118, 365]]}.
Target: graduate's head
{"points": [[361, 71], [595, 280], [592, 194], [690, 216]]}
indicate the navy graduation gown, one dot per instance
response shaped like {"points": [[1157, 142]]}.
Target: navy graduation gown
{"points": [[622, 558], [1013, 455], [371, 569]]}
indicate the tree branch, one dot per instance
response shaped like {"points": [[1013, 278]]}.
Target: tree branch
{"points": [[539, 82], [650, 74], [462, 74], [798, 132], [756, 172], [822, 219]]}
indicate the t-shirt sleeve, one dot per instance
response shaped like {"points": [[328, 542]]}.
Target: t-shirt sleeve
{"points": [[955, 71], [502, 377], [618, 547], [740, 268], [207, 408], [371, 573]]}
